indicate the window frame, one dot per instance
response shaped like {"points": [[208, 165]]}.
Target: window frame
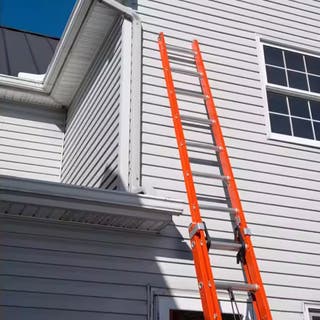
{"points": [[308, 310], [161, 301], [261, 41]]}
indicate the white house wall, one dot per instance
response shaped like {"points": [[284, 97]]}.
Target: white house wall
{"points": [[278, 182], [60, 271], [31, 140], [91, 141]]}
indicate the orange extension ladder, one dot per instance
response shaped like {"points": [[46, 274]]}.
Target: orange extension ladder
{"points": [[199, 236]]}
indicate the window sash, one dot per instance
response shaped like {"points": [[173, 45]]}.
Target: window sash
{"points": [[286, 90]]}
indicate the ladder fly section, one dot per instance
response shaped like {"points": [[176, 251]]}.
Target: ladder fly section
{"points": [[199, 235]]}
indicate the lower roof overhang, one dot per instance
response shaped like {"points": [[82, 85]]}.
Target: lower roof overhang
{"points": [[33, 199]]}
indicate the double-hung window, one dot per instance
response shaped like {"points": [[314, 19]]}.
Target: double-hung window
{"points": [[292, 81]]}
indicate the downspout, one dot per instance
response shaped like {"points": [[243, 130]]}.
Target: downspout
{"points": [[132, 183]]}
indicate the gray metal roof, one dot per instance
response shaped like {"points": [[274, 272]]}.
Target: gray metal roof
{"points": [[22, 51]]}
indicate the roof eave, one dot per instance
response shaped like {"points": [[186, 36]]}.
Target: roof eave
{"points": [[83, 205]]}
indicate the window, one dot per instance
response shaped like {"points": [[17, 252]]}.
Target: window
{"points": [[311, 311], [314, 314], [197, 315], [292, 81], [189, 307]]}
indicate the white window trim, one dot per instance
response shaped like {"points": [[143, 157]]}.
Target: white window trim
{"points": [[285, 90], [306, 310], [160, 301]]}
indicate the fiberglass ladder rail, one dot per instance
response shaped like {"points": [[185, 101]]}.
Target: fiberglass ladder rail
{"points": [[199, 236]]}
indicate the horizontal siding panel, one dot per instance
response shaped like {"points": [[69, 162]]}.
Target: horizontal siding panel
{"points": [[262, 11], [239, 17], [239, 147], [65, 302], [15, 313], [36, 132], [30, 159], [30, 145], [25, 152], [27, 137], [31, 141], [269, 172], [243, 182], [37, 168], [29, 174], [221, 94], [77, 288], [158, 13], [31, 123], [163, 104]]}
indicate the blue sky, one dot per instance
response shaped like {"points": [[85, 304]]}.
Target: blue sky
{"points": [[47, 17]]}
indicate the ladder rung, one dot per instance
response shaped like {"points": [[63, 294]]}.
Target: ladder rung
{"points": [[186, 72], [224, 245], [234, 286], [191, 93], [217, 208], [179, 49], [204, 145], [197, 120], [210, 175]]}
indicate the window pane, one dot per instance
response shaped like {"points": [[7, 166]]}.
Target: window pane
{"points": [[273, 56], [277, 102], [314, 83], [280, 124], [302, 128], [276, 76], [315, 110], [297, 80], [313, 64], [299, 107], [294, 60], [317, 130]]}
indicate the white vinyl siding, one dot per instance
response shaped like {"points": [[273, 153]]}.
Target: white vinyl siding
{"points": [[59, 271], [31, 140], [92, 132], [278, 182]]}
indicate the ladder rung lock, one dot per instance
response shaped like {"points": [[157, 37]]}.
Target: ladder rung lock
{"points": [[204, 145], [234, 286], [211, 175], [191, 93], [179, 49], [226, 246], [197, 120], [218, 208], [186, 72]]}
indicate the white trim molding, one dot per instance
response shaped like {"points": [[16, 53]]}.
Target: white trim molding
{"points": [[261, 41], [310, 306], [87, 206]]}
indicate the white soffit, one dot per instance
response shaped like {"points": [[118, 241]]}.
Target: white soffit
{"points": [[87, 28], [96, 26], [32, 199]]}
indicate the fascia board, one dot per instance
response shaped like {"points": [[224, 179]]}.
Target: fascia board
{"points": [[71, 197]]}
